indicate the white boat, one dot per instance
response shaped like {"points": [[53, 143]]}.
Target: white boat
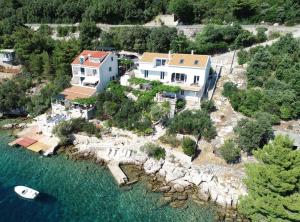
{"points": [[26, 192]]}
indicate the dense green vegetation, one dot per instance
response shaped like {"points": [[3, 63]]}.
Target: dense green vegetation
{"points": [[145, 97], [212, 39], [189, 146], [154, 150], [230, 151], [12, 94], [71, 11], [273, 183], [217, 39], [65, 129], [139, 11], [112, 105], [196, 123], [219, 11], [273, 81], [46, 64]]}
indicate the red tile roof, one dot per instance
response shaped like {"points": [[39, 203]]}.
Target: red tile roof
{"points": [[93, 54]]}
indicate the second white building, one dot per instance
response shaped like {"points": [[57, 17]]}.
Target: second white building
{"points": [[188, 71]]}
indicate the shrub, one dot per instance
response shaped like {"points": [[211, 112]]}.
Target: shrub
{"points": [[159, 111], [65, 129], [208, 106], [243, 57], [229, 88], [261, 34], [154, 150], [170, 139], [230, 152], [86, 101], [189, 146], [63, 31], [180, 104], [274, 35]]}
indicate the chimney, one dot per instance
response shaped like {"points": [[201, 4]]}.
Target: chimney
{"points": [[192, 52], [170, 55]]}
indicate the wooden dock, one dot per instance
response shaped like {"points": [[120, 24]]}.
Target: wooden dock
{"points": [[117, 172]]}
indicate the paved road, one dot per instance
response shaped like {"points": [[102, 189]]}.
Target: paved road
{"points": [[180, 27]]}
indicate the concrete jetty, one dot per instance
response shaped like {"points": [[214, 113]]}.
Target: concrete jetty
{"points": [[117, 172]]}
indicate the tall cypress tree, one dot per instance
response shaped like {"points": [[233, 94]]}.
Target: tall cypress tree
{"points": [[273, 183]]}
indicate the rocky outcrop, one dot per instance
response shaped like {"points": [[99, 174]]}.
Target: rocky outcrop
{"points": [[219, 184], [215, 183]]}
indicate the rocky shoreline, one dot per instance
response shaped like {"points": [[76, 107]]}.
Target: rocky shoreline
{"points": [[173, 194]]}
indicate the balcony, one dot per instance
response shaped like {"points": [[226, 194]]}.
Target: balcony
{"points": [[186, 86]]}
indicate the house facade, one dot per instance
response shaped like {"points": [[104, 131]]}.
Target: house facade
{"points": [[188, 71], [7, 55], [91, 72], [94, 69]]}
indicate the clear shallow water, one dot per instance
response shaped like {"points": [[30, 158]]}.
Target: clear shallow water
{"points": [[77, 191]]}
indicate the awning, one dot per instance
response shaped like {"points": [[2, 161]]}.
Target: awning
{"points": [[26, 142], [38, 146], [90, 80]]}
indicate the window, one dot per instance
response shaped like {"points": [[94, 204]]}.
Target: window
{"points": [[94, 72], [82, 71], [162, 75], [181, 61], [182, 92], [81, 60], [158, 62], [196, 79], [112, 58], [146, 72], [110, 69], [196, 62], [178, 77], [113, 78]]}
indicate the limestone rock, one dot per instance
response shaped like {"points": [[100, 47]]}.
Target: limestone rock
{"points": [[152, 166], [164, 189], [178, 188]]}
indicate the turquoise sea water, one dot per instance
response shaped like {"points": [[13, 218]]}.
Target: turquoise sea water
{"points": [[77, 191]]}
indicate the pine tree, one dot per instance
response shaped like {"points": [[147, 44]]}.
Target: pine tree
{"points": [[273, 183]]}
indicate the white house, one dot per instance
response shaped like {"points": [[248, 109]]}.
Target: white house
{"points": [[94, 69], [188, 71], [7, 55]]}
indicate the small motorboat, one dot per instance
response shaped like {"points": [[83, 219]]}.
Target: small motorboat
{"points": [[26, 192]]}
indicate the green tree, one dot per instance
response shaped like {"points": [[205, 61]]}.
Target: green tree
{"points": [[273, 183], [180, 44], [88, 32], [197, 123], [253, 134], [183, 10], [160, 39], [243, 9]]}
